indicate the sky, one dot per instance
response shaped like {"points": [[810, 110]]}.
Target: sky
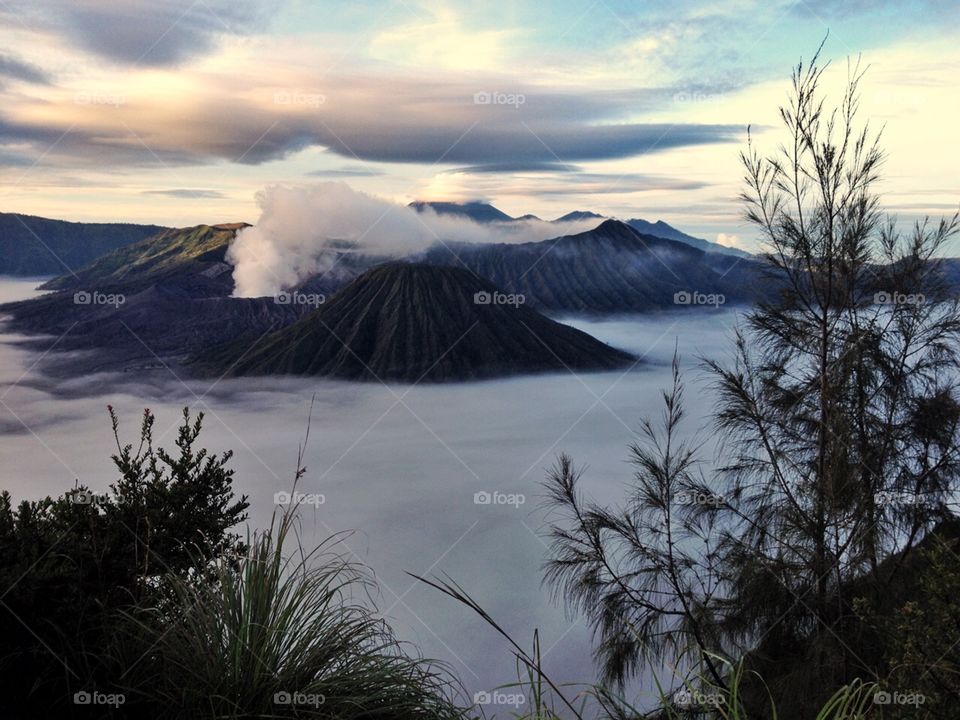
{"points": [[181, 112]]}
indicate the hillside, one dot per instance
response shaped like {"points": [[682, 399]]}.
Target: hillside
{"points": [[152, 327], [412, 322], [578, 215], [610, 269], [477, 211], [668, 232], [34, 246], [189, 258]]}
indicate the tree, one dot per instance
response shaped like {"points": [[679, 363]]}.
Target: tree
{"points": [[839, 419], [69, 565]]}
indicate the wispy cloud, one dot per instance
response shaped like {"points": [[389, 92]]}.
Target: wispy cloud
{"points": [[142, 32], [186, 193], [12, 67]]}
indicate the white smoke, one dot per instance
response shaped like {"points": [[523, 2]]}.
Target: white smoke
{"points": [[291, 241]]}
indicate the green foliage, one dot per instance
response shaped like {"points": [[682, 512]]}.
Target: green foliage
{"points": [[922, 638], [839, 452], [69, 565]]}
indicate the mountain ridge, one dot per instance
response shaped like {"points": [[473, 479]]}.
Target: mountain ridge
{"points": [[33, 246], [417, 322]]}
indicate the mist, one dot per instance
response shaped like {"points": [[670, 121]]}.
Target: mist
{"points": [[398, 468], [299, 226]]}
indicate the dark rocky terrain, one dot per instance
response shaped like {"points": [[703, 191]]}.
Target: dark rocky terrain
{"points": [[414, 323]]}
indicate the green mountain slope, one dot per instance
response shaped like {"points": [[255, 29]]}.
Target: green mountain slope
{"points": [[189, 258]]}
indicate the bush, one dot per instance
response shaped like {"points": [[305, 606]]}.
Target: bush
{"points": [[277, 635], [69, 566]]}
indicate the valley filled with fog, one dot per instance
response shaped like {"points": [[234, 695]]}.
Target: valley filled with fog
{"points": [[397, 467]]}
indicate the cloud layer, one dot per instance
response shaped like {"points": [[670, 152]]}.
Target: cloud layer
{"points": [[142, 32]]}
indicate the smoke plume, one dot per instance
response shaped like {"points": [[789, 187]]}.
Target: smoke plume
{"points": [[299, 226]]}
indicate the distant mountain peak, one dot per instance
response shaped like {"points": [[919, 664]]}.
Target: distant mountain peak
{"points": [[579, 215], [475, 210], [664, 230]]}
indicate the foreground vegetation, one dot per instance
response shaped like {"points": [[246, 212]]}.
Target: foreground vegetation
{"points": [[815, 574], [105, 615]]}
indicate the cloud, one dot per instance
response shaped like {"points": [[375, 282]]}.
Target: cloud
{"points": [[187, 193], [438, 38], [142, 32], [509, 166], [462, 186], [292, 239], [347, 171], [384, 120], [11, 67], [729, 240], [827, 9]]}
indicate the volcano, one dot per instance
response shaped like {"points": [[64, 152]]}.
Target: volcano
{"points": [[412, 323]]}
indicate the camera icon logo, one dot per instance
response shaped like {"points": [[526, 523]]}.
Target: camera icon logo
{"points": [[482, 298], [482, 498], [681, 298], [82, 698]]}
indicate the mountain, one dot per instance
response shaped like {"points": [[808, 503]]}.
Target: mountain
{"points": [[153, 327], [610, 269], [148, 304], [33, 246], [658, 229], [578, 215], [480, 212], [410, 322], [663, 230], [192, 259]]}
